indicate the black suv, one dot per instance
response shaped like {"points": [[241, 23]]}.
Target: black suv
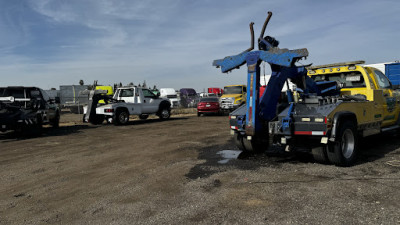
{"points": [[24, 108]]}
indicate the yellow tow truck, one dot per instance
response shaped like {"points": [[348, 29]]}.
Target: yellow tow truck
{"points": [[330, 124]]}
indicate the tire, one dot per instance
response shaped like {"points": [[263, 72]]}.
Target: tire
{"points": [[198, 114], [165, 114], [320, 155], [121, 117], [96, 119], [343, 151], [33, 130], [143, 116], [238, 139], [256, 145], [55, 123]]}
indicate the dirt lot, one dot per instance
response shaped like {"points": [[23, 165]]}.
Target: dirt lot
{"points": [[177, 172]]}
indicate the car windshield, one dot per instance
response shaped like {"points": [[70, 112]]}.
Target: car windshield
{"points": [[347, 80], [233, 90], [189, 92], [209, 100]]}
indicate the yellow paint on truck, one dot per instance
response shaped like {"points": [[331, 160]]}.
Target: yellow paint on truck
{"points": [[233, 96], [109, 90], [382, 108]]}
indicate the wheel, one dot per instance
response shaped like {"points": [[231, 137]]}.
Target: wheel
{"points": [[320, 155], [165, 113], [143, 116], [55, 123], [198, 114], [38, 127], [256, 144], [96, 119], [343, 151], [121, 117], [35, 129], [238, 139]]}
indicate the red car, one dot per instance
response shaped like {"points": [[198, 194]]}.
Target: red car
{"points": [[208, 105]]}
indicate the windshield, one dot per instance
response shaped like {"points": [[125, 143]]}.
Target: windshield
{"points": [[189, 92], [382, 79], [347, 80], [233, 90], [15, 92]]}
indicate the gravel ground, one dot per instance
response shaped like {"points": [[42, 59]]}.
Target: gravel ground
{"points": [[187, 170]]}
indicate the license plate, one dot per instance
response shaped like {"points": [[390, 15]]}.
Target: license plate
{"points": [[208, 105]]}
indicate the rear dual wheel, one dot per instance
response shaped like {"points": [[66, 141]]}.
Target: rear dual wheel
{"points": [[343, 151], [238, 139], [95, 119], [320, 155], [255, 144]]}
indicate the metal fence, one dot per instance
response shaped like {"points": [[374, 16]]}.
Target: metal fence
{"points": [[70, 95]]}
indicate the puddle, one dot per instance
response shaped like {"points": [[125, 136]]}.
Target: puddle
{"points": [[228, 155]]}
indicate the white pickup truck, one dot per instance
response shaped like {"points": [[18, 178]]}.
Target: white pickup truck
{"points": [[127, 101]]}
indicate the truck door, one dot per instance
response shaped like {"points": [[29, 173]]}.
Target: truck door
{"points": [[150, 101], [390, 101]]}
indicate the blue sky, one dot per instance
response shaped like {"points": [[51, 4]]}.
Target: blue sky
{"points": [[172, 43]]}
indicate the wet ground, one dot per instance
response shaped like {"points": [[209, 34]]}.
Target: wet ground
{"points": [[187, 170]]}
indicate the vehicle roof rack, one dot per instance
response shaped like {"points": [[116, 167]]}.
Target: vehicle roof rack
{"points": [[350, 63]]}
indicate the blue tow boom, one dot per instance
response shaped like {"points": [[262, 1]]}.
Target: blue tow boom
{"points": [[282, 62]]}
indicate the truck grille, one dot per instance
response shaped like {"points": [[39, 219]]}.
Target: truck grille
{"points": [[227, 103]]}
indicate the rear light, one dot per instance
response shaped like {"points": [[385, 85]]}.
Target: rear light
{"points": [[108, 110]]}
